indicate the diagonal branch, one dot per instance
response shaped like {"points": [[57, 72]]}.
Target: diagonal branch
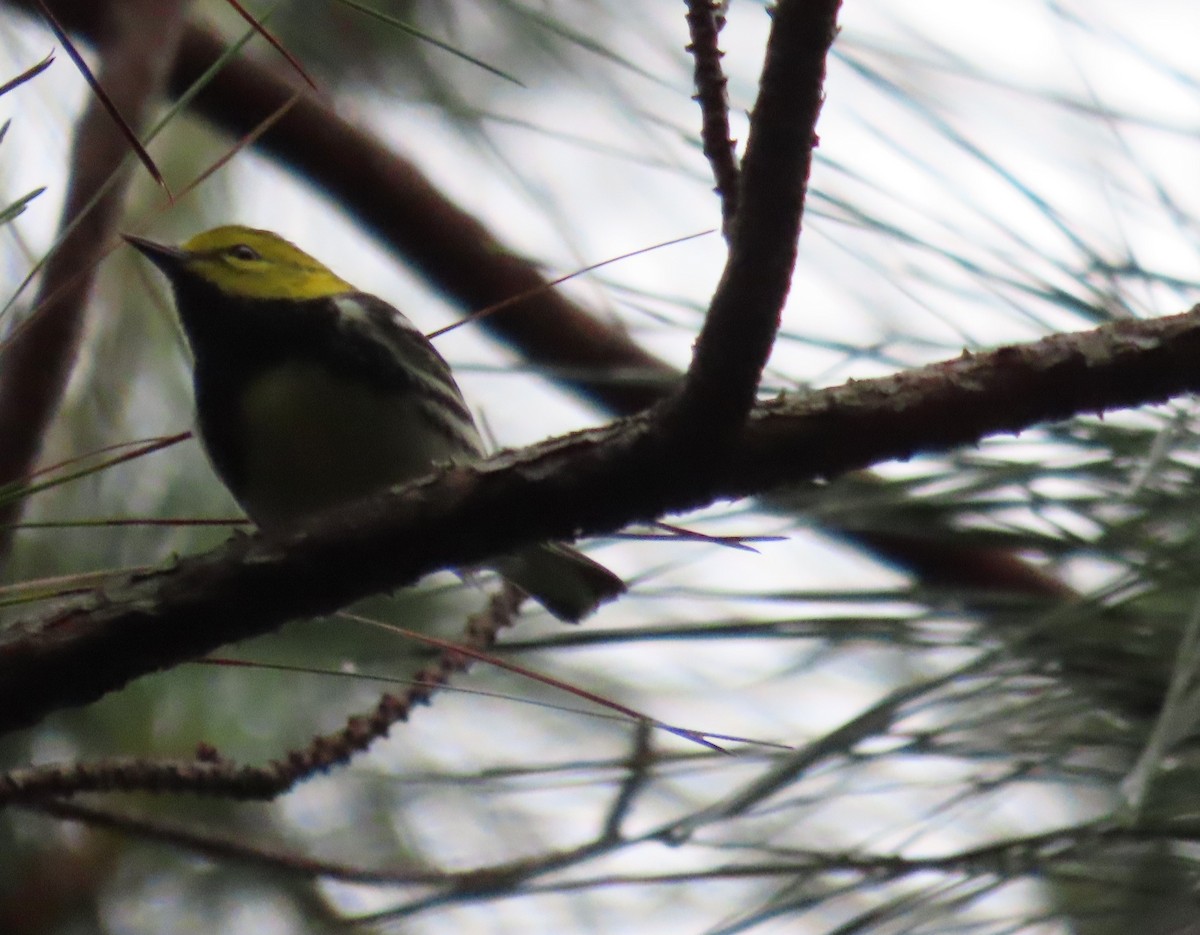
{"points": [[742, 319], [209, 773], [393, 200], [37, 360], [586, 483]]}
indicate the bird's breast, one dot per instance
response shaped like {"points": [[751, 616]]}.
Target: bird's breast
{"points": [[320, 439]]}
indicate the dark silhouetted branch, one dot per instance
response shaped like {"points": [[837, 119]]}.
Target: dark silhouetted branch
{"points": [[37, 358], [582, 484]]}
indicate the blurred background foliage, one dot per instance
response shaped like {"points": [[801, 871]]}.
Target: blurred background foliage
{"points": [[974, 752]]}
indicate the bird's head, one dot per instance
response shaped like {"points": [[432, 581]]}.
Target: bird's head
{"points": [[245, 263]]}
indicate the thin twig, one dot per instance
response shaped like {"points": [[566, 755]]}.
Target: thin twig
{"points": [[212, 774], [99, 89], [636, 776], [238, 848], [27, 75], [706, 19]]}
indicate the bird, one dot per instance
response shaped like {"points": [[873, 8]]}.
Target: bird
{"points": [[311, 393]]}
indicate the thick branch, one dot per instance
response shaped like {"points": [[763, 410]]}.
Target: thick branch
{"points": [[743, 317], [36, 361], [592, 482], [392, 199]]}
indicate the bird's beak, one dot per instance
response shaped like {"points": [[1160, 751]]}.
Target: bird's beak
{"points": [[168, 259]]}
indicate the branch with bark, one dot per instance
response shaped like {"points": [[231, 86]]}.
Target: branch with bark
{"points": [[739, 328], [392, 199], [637, 464], [37, 358], [587, 483]]}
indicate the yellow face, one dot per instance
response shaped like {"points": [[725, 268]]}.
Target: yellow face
{"points": [[258, 264]]}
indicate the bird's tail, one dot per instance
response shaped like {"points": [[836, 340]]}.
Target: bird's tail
{"points": [[564, 581]]}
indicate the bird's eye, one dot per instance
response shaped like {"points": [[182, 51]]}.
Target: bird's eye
{"points": [[244, 252]]}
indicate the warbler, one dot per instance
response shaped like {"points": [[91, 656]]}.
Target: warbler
{"points": [[310, 393]]}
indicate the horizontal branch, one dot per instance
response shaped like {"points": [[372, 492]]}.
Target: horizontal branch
{"points": [[587, 483], [389, 198]]}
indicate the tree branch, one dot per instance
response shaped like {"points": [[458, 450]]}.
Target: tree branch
{"points": [[37, 359], [706, 19], [587, 483], [391, 198], [743, 317]]}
